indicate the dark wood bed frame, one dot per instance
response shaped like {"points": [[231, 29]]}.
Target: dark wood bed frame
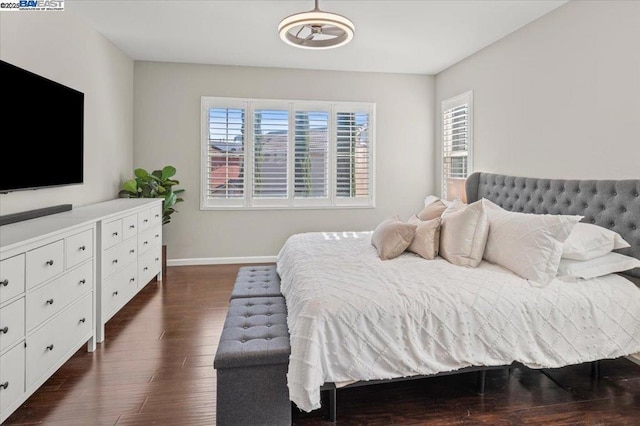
{"points": [[613, 204]]}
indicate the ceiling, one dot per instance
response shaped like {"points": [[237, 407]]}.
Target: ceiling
{"points": [[416, 36]]}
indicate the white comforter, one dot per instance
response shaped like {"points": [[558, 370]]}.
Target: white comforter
{"points": [[353, 317]]}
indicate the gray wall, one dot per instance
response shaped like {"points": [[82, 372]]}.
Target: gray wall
{"points": [[167, 131], [61, 47], [559, 98]]}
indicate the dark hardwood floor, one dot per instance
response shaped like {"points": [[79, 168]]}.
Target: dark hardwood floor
{"points": [[156, 368]]}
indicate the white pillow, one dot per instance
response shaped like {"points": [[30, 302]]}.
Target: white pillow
{"points": [[463, 234], [610, 263], [528, 244], [588, 241]]}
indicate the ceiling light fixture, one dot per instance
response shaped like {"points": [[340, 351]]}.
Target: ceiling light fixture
{"points": [[316, 29]]}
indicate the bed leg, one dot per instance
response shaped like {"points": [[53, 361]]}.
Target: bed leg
{"points": [[331, 404], [482, 378], [595, 370]]}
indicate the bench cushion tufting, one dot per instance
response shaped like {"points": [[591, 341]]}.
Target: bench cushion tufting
{"points": [[255, 333], [256, 281]]}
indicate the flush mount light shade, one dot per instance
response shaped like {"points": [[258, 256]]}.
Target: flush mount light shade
{"points": [[316, 30]]}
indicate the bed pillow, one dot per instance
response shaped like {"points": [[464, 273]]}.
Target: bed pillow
{"points": [[588, 241], [426, 242], [610, 263], [433, 210], [463, 234], [392, 237], [528, 244]]}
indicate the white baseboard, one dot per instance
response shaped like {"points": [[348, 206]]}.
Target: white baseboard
{"points": [[222, 260]]}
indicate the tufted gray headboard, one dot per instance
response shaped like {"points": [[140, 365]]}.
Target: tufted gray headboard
{"points": [[613, 204]]}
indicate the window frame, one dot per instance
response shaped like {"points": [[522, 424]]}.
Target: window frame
{"points": [[248, 202], [465, 98]]}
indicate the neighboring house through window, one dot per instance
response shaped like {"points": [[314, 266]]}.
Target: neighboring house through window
{"points": [[457, 144], [286, 154]]}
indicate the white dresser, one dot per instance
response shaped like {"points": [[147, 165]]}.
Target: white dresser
{"points": [[129, 246], [47, 302], [62, 277]]}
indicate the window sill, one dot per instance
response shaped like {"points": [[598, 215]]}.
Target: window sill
{"points": [[292, 208]]}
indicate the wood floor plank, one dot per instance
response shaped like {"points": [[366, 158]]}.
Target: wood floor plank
{"points": [[155, 367]]}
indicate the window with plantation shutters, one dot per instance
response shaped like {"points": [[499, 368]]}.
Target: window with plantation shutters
{"points": [[260, 153], [457, 139]]}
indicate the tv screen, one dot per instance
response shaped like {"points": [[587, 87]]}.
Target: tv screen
{"points": [[42, 131]]}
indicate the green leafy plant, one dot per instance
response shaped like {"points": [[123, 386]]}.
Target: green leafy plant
{"points": [[157, 184]]}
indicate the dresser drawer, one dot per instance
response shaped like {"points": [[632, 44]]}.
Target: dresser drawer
{"points": [[11, 324], [11, 277], [155, 215], [63, 334], [78, 248], [118, 289], [149, 265], [51, 298], [149, 238], [129, 226], [144, 220], [11, 376], [111, 233], [115, 258], [44, 262]]}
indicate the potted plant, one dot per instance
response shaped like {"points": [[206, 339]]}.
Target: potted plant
{"points": [[157, 184]]}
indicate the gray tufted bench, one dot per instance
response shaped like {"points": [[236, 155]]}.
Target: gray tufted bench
{"points": [[252, 362], [256, 281]]}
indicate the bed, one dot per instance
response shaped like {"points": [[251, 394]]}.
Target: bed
{"points": [[355, 319]]}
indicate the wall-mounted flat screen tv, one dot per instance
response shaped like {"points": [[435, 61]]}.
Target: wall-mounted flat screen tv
{"points": [[41, 131]]}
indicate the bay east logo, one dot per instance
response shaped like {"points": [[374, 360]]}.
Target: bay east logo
{"points": [[20, 5], [41, 4]]}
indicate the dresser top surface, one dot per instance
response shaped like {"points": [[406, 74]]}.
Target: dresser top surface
{"points": [[25, 232]]}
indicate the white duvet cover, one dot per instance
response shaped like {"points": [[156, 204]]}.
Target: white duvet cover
{"points": [[354, 317]]}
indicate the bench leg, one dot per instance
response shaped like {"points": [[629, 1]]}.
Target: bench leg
{"points": [[482, 378]]}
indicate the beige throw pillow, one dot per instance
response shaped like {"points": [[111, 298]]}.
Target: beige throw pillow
{"points": [[392, 237], [463, 234], [432, 211], [427, 239], [526, 243]]}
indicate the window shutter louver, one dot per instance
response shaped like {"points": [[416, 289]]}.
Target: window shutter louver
{"points": [[225, 153], [270, 148], [311, 154], [352, 155], [456, 145]]}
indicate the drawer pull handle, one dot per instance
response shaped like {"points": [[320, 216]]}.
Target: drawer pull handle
{"points": [[83, 281], [115, 293], [157, 215], [82, 320], [145, 243], [115, 261], [131, 226], [115, 234], [146, 220], [157, 259], [50, 302], [131, 279], [49, 262], [82, 248], [145, 268], [4, 330], [4, 385], [132, 251], [50, 347], [5, 282], [157, 235]]}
